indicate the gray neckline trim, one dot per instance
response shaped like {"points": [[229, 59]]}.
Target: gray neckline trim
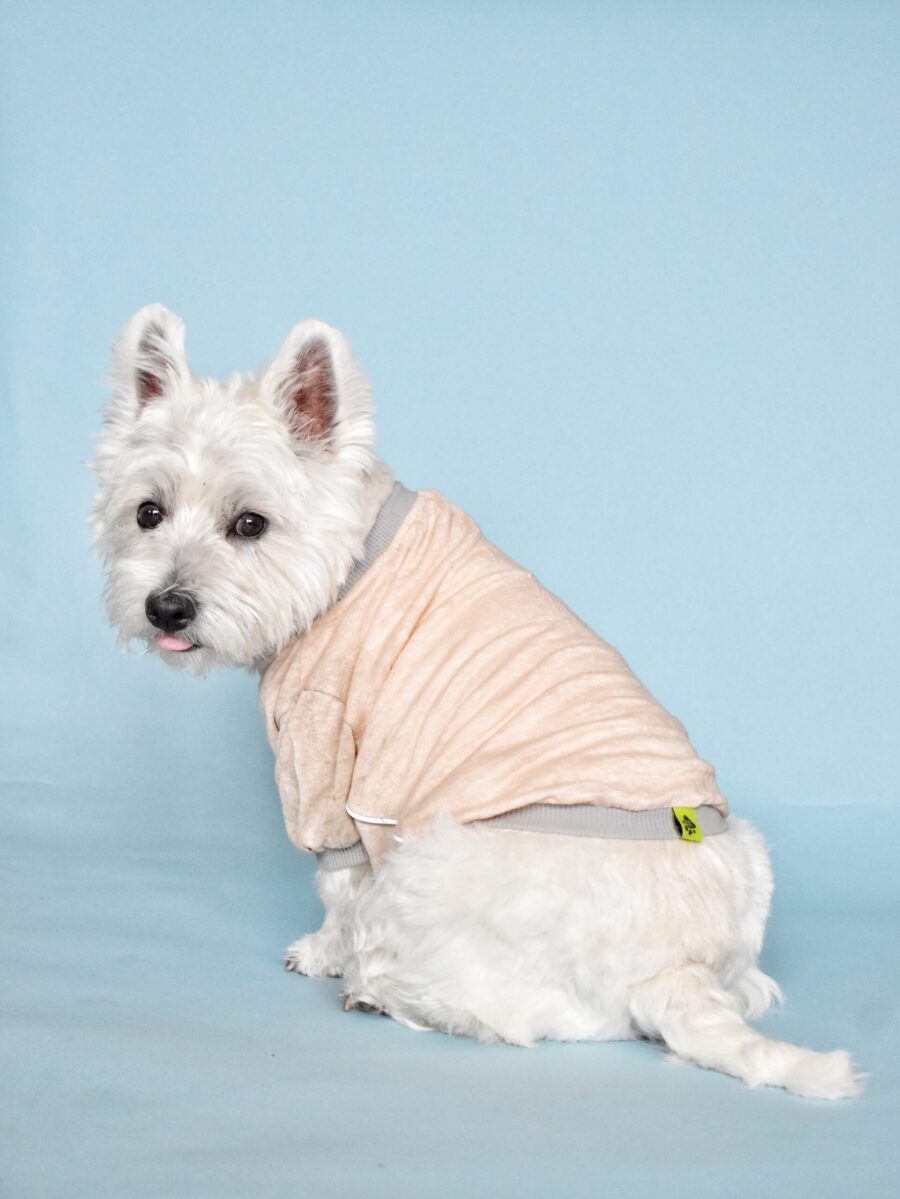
{"points": [[390, 517]]}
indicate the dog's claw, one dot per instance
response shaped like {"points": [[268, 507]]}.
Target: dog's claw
{"points": [[351, 1004]]}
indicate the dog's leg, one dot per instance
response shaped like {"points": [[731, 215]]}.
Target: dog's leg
{"points": [[323, 954], [688, 1009], [460, 932]]}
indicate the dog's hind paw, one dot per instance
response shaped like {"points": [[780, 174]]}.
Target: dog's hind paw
{"points": [[316, 956], [353, 1003]]}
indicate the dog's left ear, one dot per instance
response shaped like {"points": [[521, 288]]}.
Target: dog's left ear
{"points": [[309, 380]]}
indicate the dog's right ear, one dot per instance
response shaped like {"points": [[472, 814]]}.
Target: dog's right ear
{"points": [[148, 360]]}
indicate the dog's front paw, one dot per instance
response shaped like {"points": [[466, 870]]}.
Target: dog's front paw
{"points": [[316, 955]]}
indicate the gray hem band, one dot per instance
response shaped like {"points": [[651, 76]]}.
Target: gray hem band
{"points": [[342, 859], [573, 820], [594, 820]]}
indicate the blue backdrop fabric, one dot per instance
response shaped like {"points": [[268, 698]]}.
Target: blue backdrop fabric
{"points": [[627, 282]]}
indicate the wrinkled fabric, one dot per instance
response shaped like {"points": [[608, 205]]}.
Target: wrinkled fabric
{"points": [[450, 680]]}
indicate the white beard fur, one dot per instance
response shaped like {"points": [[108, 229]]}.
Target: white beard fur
{"points": [[489, 933]]}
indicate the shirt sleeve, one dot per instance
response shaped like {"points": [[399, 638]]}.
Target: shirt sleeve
{"points": [[314, 762]]}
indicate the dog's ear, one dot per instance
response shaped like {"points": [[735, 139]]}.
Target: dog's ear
{"points": [[303, 379], [149, 361]]}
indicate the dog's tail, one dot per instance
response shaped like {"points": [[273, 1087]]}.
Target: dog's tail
{"points": [[699, 1021]]}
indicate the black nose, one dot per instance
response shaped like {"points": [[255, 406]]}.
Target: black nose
{"points": [[170, 611]]}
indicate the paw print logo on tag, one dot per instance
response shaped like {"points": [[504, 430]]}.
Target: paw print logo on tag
{"points": [[687, 824]]}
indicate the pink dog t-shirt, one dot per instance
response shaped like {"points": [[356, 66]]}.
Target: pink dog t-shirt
{"points": [[448, 680]]}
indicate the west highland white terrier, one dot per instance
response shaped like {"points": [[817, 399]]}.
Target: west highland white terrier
{"points": [[515, 840]]}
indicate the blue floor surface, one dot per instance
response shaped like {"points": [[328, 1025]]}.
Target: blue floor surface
{"points": [[153, 1046]]}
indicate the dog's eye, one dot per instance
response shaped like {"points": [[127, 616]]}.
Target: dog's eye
{"points": [[249, 524], [149, 515]]}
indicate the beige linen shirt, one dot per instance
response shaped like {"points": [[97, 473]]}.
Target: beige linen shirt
{"points": [[450, 680]]}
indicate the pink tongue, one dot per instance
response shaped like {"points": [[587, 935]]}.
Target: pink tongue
{"points": [[171, 642]]}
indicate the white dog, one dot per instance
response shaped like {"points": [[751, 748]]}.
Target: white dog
{"points": [[235, 519]]}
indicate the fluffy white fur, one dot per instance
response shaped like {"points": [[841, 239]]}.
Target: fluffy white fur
{"points": [[489, 933]]}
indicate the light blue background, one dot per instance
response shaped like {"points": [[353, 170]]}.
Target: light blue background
{"points": [[626, 279]]}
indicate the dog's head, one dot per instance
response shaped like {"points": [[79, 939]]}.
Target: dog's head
{"points": [[229, 512]]}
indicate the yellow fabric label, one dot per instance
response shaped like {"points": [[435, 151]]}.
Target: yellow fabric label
{"points": [[686, 819]]}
